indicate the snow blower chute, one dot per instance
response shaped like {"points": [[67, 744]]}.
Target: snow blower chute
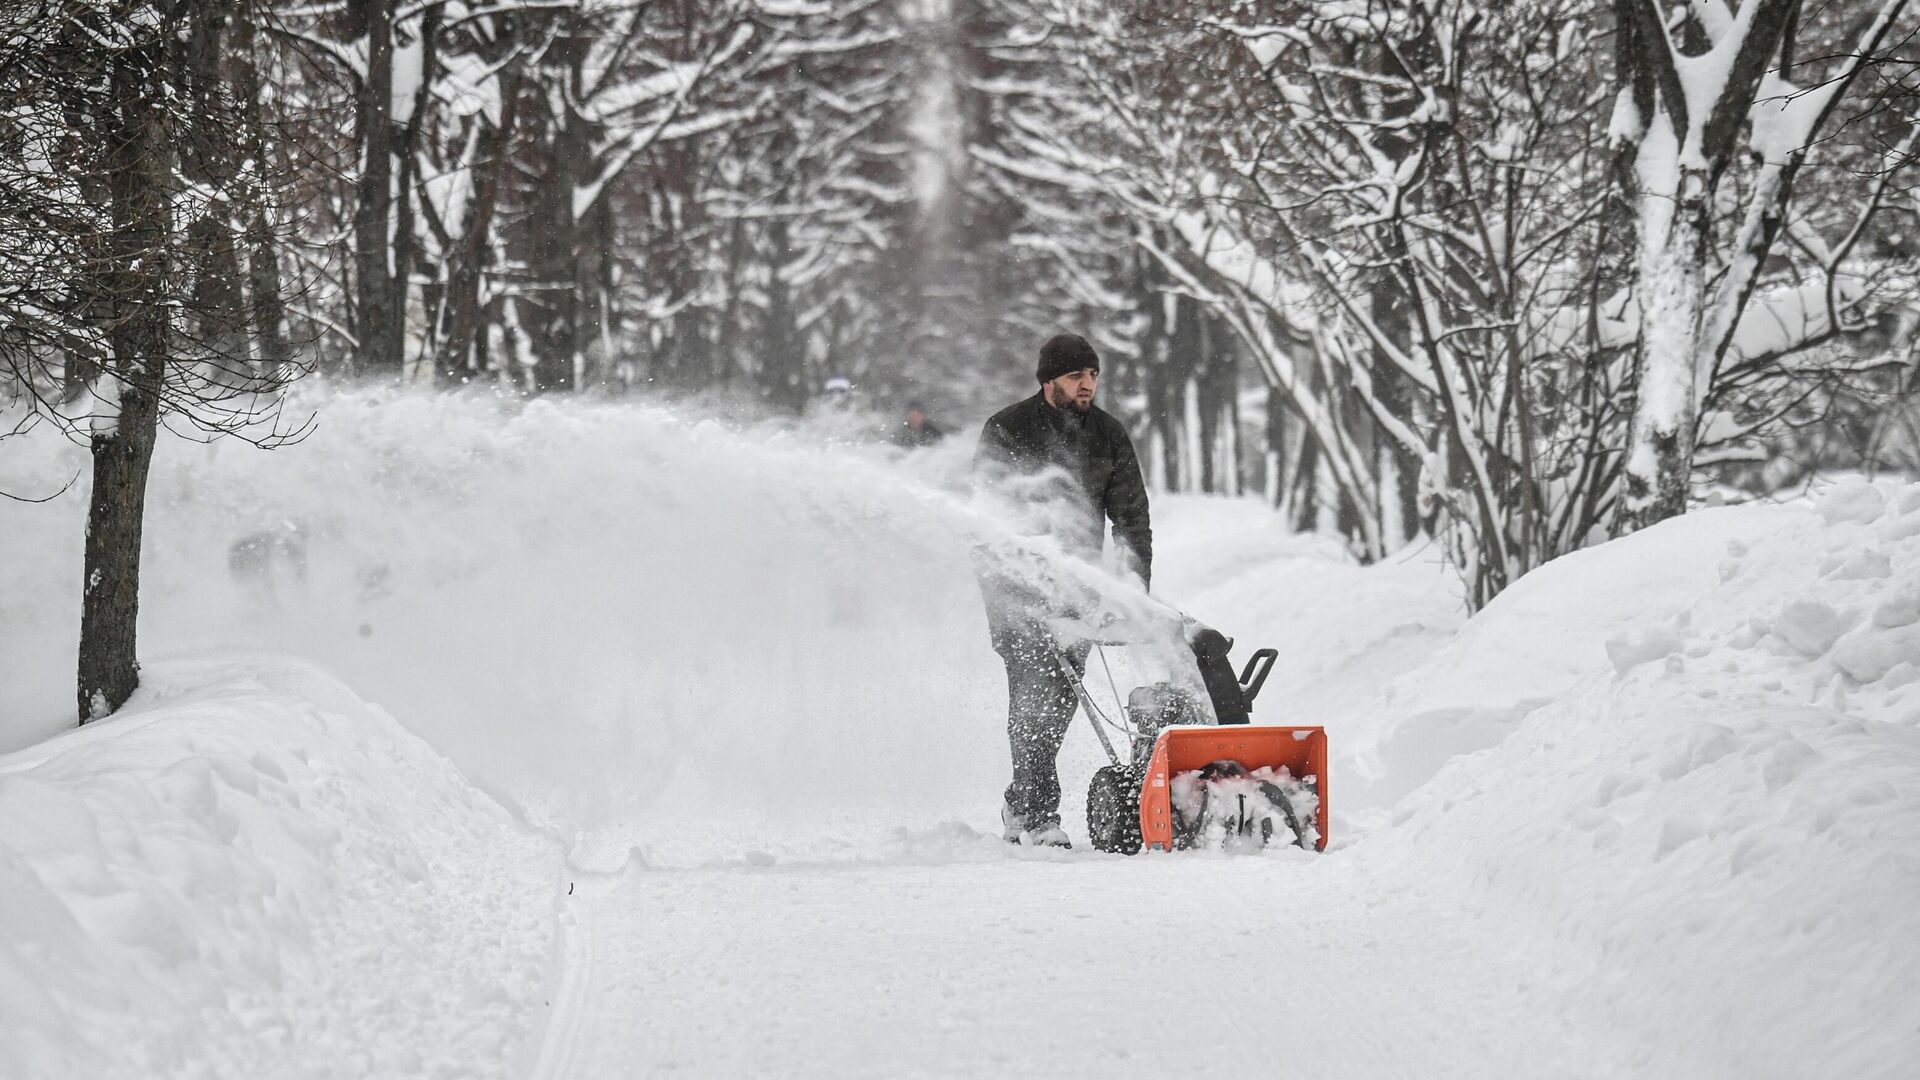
{"points": [[1193, 781]]}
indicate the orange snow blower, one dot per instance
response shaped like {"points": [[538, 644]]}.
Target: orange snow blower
{"points": [[1296, 754], [1193, 781]]}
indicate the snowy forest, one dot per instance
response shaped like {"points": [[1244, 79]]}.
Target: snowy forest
{"points": [[1540, 377], [1518, 277]]}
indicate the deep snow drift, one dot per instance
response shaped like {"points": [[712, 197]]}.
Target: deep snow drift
{"points": [[1708, 831], [248, 872], [1655, 807]]}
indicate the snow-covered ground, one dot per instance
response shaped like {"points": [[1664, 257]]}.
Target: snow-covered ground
{"points": [[688, 748], [251, 872]]}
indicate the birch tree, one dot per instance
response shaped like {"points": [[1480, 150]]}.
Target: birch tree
{"points": [[1715, 115]]}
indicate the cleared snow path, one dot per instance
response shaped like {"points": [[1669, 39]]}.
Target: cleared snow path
{"points": [[1077, 965]]}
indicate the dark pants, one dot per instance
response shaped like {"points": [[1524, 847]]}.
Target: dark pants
{"points": [[1040, 704]]}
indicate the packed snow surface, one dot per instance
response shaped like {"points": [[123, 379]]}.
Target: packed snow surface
{"points": [[688, 746]]}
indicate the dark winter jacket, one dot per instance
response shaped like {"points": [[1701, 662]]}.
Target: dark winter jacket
{"points": [[1075, 471]]}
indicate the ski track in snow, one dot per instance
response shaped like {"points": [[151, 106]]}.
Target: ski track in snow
{"points": [[567, 1007]]}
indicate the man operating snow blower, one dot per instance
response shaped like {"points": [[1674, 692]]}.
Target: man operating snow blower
{"points": [[1065, 467]]}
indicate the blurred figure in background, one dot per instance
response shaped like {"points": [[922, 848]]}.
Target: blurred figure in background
{"points": [[269, 567], [836, 394], [916, 431]]}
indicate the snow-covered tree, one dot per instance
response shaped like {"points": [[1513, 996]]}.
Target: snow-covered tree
{"points": [[1408, 215], [137, 262], [1418, 194], [813, 190], [1719, 109]]}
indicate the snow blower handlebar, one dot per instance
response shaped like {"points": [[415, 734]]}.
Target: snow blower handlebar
{"points": [[1231, 697], [1232, 704], [1250, 682]]}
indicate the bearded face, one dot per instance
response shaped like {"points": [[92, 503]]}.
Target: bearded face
{"points": [[1074, 390]]}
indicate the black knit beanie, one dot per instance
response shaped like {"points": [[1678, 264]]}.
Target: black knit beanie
{"points": [[1064, 354]]}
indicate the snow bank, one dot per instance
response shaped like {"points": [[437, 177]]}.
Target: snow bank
{"points": [[1556, 625], [1678, 774], [1725, 806], [250, 872]]}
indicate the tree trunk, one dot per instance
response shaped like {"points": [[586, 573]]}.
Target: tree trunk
{"points": [[1666, 409], [1169, 387], [266, 306], [726, 347], [139, 181], [783, 373], [1673, 213], [559, 247], [597, 319], [462, 301], [208, 153], [404, 247], [1277, 460], [373, 205], [1217, 384], [1306, 485], [110, 609], [1396, 469]]}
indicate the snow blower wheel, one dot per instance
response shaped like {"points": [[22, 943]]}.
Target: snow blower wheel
{"points": [[1113, 810]]}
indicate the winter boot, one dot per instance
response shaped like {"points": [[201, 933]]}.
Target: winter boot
{"points": [[1016, 829], [1048, 835], [1013, 827]]}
